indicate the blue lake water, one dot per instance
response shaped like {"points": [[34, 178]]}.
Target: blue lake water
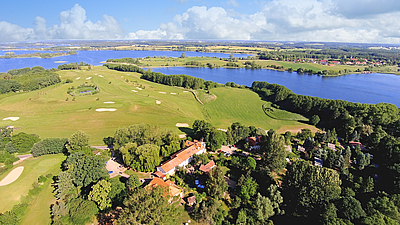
{"points": [[363, 88], [92, 57]]}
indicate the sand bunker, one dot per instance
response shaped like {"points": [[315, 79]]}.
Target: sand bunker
{"points": [[109, 102], [139, 88], [11, 118], [158, 102], [182, 125], [161, 92], [182, 135], [12, 176], [105, 110], [100, 75], [172, 93], [185, 91], [60, 61], [134, 90], [88, 78], [78, 78]]}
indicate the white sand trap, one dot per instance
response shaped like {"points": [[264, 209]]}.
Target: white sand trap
{"points": [[185, 91], [105, 110], [88, 78], [60, 61], [172, 93], [109, 102], [182, 125], [12, 176], [158, 102], [134, 90], [139, 88], [100, 75], [78, 78], [161, 92], [182, 135], [11, 118]]}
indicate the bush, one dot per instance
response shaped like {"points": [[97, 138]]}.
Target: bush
{"points": [[24, 142], [49, 146]]}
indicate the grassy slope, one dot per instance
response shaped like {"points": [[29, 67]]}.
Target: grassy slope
{"points": [[33, 168], [47, 113], [245, 106]]}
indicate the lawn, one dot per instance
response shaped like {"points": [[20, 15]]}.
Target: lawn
{"points": [[52, 112], [244, 106], [33, 168]]}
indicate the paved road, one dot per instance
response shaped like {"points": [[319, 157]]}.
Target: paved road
{"points": [[25, 156]]}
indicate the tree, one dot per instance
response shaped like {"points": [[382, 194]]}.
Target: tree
{"points": [[10, 148], [276, 198], [133, 182], [81, 211], [308, 187], [49, 146], [215, 138], [251, 163], [23, 142], [314, 120], [183, 55], [247, 187], [64, 187], [273, 147], [350, 208], [216, 184], [147, 207], [99, 194], [143, 158], [84, 169], [242, 217], [263, 209], [77, 141]]}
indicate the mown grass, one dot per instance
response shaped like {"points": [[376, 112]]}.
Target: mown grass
{"points": [[51, 112], [244, 106], [10, 195]]}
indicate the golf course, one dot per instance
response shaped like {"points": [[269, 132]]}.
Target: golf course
{"points": [[99, 100]]}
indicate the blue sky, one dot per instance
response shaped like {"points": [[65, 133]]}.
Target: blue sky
{"points": [[366, 21]]}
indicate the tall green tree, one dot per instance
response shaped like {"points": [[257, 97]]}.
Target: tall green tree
{"points": [[216, 184], [99, 194], [274, 153], [77, 141]]}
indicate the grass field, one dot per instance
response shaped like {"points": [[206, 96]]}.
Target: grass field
{"points": [[51, 112], [10, 195]]}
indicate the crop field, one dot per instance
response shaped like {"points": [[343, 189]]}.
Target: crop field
{"points": [[124, 99]]}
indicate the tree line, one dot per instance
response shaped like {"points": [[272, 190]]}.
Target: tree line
{"points": [[27, 79]]}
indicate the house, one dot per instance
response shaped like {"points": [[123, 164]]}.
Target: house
{"points": [[191, 200], [253, 141], [206, 168], [331, 146], [182, 158], [160, 175], [172, 189]]}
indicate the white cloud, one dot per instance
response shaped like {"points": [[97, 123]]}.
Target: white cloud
{"points": [[73, 25], [276, 20], [232, 3]]}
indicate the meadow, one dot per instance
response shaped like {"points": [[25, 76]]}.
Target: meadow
{"points": [[52, 112]]}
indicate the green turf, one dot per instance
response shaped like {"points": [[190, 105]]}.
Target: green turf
{"points": [[244, 106], [47, 113], [33, 168], [38, 211]]}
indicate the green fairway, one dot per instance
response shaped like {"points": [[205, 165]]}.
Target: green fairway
{"points": [[52, 112], [33, 168], [244, 106]]}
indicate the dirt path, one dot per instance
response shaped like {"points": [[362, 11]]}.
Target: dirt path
{"points": [[12, 176]]}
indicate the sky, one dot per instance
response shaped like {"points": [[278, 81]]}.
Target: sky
{"points": [[356, 21]]}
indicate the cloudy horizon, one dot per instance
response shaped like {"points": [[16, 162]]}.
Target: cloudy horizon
{"points": [[277, 20]]}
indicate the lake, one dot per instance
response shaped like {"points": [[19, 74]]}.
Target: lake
{"points": [[363, 88], [92, 57]]}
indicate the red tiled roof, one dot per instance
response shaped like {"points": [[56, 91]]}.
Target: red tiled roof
{"points": [[181, 156], [207, 167], [159, 174], [157, 182]]}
